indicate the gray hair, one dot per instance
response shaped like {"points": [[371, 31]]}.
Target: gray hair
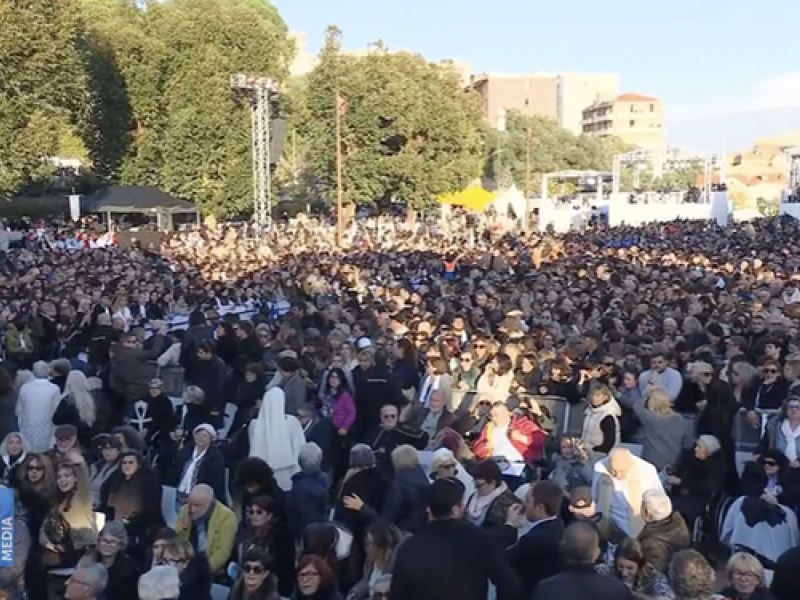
{"points": [[362, 457], [117, 530], [709, 442], [309, 457], [194, 393], [690, 575], [97, 576], [160, 583], [657, 504], [41, 370]]}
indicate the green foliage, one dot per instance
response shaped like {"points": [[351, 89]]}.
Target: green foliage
{"points": [[42, 85], [410, 132], [552, 148]]}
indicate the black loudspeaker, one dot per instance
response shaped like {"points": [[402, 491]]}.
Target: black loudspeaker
{"points": [[277, 139]]}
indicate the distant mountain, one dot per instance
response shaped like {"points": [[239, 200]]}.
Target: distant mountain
{"points": [[732, 132]]}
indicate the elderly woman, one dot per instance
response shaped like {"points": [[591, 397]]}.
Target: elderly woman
{"points": [[160, 583], [202, 463], [488, 506], [696, 478], [782, 432], [747, 579], [121, 568], [257, 581], [444, 465], [664, 432], [691, 577], [307, 501]]}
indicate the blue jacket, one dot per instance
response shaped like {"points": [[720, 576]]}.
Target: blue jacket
{"points": [[307, 502]]}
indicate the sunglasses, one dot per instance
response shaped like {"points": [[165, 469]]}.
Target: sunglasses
{"points": [[770, 463], [770, 371], [259, 512], [253, 569], [35, 468]]}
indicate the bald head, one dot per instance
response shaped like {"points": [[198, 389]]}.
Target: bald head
{"points": [[620, 462], [200, 501]]}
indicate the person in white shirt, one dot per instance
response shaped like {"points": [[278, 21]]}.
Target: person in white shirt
{"points": [[661, 375], [618, 485], [36, 404]]}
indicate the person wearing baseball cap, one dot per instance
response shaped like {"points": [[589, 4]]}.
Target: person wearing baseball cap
{"points": [[66, 441], [581, 505]]}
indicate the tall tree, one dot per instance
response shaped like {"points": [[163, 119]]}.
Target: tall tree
{"points": [[410, 131], [43, 86]]}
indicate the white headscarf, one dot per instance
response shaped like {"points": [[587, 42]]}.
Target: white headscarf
{"points": [[271, 437]]}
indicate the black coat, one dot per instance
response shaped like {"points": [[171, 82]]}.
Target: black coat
{"points": [[123, 578], [210, 471], [661, 539], [371, 486], [149, 518], [196, 579], [451, 559], [536, 555], [405, 503], [581, 583], [786, 577]]}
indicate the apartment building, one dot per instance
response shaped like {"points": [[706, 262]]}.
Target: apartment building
{"points": [[576, 91], [634, 118], [527, 93]]}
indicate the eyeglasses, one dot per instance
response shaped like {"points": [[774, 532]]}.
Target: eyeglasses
{"points": [[770, 371], [744, 575], [793, 406], [35, 468], [259, 512], [307, 575], [109, 542], [770, 463], [484, 403], [253, 569]]}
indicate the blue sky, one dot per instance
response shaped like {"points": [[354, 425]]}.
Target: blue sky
{"points": [[700, 56]]}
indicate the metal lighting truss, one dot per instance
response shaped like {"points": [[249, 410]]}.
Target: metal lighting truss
{"points": [[260, 92]]}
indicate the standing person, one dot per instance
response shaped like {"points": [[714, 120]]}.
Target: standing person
{"points": [[450, 558], [580, 550], [36, 404], [212, 379], [276, 438]]}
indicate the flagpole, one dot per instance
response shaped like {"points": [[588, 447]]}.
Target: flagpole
{"points": [[339, 188]]}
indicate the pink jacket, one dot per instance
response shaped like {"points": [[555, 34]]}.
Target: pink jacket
{"points": [[343, 411]]}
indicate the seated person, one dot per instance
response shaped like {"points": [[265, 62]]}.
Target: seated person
{"points": [[771, 478], [516, 438], [209, 525], [699, 474], [620, 482], [664, 532]]}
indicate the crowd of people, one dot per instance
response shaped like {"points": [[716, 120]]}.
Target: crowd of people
{"points": [[435, 413]]}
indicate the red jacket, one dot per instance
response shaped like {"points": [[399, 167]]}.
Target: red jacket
{"points": [[531, 449]]}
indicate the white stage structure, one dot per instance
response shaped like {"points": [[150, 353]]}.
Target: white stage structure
{"points": [[790, 199], [260, 92], [577, 212]]}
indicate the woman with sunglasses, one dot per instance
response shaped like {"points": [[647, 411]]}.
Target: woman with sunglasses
{"points": [[256, 581], [782, 432], [37, 489], [265, 529], [771, 478]]}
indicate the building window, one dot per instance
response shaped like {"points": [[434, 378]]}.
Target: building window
{"points": [[652, 108], [633, 108], [632, 123], [527, 102]]}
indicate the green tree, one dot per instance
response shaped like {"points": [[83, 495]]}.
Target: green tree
{"points": [[552, 148], [43, 87], [409, 132]]}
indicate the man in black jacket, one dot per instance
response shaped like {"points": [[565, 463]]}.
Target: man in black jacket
{"points": [[449, 558], [536, 556], [579, 581]]}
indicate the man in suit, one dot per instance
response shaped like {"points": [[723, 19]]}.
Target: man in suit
{"points": [[449, 558], [536, 556]]}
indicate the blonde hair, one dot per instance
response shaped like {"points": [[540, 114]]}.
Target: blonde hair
{"points": [[749, 562], [658, 401], [405, 457]]}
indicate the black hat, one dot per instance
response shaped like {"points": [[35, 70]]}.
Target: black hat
{"points": [[580, 497], [64, 432]]}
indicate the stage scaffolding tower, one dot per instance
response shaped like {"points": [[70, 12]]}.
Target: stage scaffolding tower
{"points": [[260, 92]]}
